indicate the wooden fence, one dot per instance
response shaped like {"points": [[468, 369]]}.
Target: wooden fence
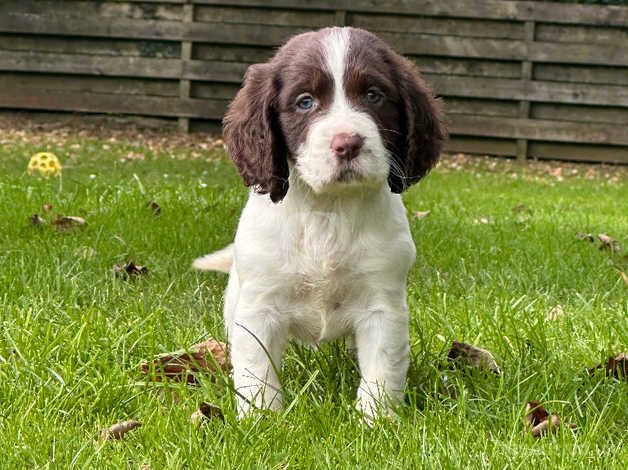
{"points": [[519, 78]]}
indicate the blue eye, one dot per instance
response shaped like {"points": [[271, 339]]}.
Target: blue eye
{"points": [[305, 102], [373, 95]]}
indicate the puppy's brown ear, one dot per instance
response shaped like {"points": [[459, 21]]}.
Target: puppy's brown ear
{"points": [[253, 135], [423, 125]]}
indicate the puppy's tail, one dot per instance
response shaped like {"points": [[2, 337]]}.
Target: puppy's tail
{"points": [[220, 260]]}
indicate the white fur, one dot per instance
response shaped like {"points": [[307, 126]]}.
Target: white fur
{"points": [[329, 260]]}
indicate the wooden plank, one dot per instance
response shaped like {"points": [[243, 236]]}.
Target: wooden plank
{"points": [[581, 74], [89, 64], [467, 67], [579, 152], [89, 84], [429, 44], [231, 72], [259, 35], [107, 103], [536, 129], [565, 112], [110, 9], [275, 16], [548, 32], [229, 53], [90, 26], [96, 46], [478, 28], [508, 89], [482, 107], [481, 145], [487, 9], [213, 90], [186, 55], [526, 76], [609, 54]]}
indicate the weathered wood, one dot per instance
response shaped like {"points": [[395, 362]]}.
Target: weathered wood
{"points": [[471, 67], [186, 55], [88, 84], [89, 64], [276, 16], [213, 90], [566, 112], [583, 34], [98, 46], [508, 89], [581, 74], [609, 54], [536, 129], [482, 107], [487, 9], [108, 103], [585, 153], [481, 145], [229, 53], [526, 75], [478, 28]]}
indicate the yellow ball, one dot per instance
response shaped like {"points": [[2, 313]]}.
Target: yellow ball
{"points": [[44, 163]]}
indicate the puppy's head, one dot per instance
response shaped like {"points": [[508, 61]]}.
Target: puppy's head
{"points": [[341, 109]]}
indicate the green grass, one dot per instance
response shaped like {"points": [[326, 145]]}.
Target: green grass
{"points": [[72, 335]]}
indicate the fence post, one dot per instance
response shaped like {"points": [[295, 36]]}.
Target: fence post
{"points": [[526, 76], [186, 54]]}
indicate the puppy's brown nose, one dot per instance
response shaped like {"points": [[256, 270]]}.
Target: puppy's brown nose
{"points": [[347, 146]]}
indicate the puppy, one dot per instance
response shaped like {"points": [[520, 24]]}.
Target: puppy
{"points": [[328, 133]]}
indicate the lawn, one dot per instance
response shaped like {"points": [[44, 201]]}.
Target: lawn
{"points": [[498, 266]]}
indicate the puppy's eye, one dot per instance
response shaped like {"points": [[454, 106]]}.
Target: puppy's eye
{"points": [[374, 95], [305, 102]]}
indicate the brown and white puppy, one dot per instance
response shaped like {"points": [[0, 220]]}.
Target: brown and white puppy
{"points": [[327, 134]]}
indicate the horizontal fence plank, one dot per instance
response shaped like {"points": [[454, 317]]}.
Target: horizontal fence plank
{"points": [[276, 16], [566, 112], [579, 152], [481, 145], [108, 103], [536, 129], [486, 9], [88, 84], [581, 74], [508, 89], [582, 34]]}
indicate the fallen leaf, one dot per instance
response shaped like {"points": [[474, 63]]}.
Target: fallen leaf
{"points": [[608, 243], [521, 208], [615, 366], [206, 357], [421, 214], [472, 356], [206, 411], [539, 421], [555, 313], [118, 430], [47, 208], [68, 221], [36, 220], [129, 270], [156, 208], [585, 236]]}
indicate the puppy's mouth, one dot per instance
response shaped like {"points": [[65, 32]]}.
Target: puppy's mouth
{"points": [[348, 175]]}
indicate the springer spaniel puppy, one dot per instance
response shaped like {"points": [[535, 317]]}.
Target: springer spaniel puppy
{"points": [[327, 134]]}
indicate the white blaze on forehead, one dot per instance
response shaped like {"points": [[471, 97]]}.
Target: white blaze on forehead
{"points": [[335, 48]]}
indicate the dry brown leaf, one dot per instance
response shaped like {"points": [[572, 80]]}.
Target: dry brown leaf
{"points": [[521, 208], [68, 221], [206, 357], [156, 208], [608, 243], [472, 356], [421, 214], [35, 219], [206, 411], [118, 430], [539, 421], [47, 208], [585, 236], [615, 366], [129, 270]]}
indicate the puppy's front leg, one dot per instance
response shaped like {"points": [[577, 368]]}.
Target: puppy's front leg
{"points": [[256, 342], [382, 340]]}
